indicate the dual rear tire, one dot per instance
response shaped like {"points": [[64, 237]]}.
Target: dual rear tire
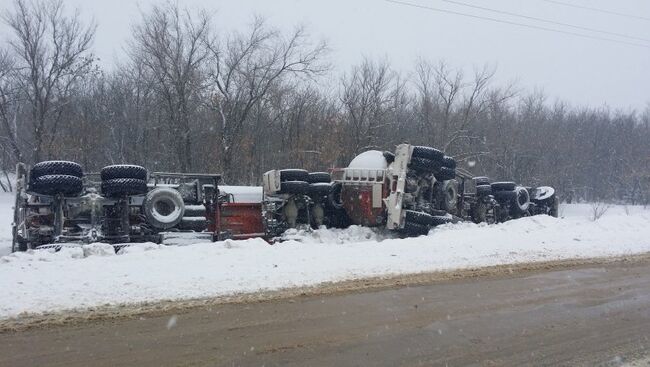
{"points": [[56, 178], [431, 160], [419, 223], [65, 178], [123, 180], [163, 207]]}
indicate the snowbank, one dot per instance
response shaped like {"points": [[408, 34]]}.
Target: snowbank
{"points": [[93, 275]]}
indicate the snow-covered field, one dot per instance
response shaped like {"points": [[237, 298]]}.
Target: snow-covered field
{"points": [[43, 281]]}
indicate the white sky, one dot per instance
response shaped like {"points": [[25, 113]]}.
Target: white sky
{"points": [[579, 70]]}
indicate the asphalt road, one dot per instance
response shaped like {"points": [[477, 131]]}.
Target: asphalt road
{"points": [[597, 315]]}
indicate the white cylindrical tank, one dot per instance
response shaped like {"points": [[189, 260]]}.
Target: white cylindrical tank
{"points": [[371, 159]]}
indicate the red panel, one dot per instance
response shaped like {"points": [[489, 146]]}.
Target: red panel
{"points": [[357, 202], [241, 220]]}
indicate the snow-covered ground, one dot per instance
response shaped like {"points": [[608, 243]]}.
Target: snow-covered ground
{"points": [[43, 281]]}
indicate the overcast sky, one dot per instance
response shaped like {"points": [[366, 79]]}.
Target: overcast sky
{"points": [[580, 70]]}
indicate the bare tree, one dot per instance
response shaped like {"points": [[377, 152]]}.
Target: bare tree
{"points": [[8, 104], [132, 92], [52, 53], [450, 105], [247, 66], [366, 98], [169, 43], [244, 103]]}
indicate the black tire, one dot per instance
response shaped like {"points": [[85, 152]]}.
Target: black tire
{"points": [[448, 162], [57, 184], [424, 165], [123, 171], [522, 200], [334, 197], [163, 207], [483, 190], [320, 189], [505, 196], [319, 177], [415, 229], [413, 216], [503, 186], [448, 196], [123, 187], [293, 175], [481, 180], [427, 153], [56, 168], [445, 173], [294, 187], [438, 220], [390, 157]]}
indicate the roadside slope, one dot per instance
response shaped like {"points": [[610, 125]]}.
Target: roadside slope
{"points": [[93, 276]]}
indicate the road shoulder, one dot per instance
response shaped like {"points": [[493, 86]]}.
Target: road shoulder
{"points": [[162, 308]]}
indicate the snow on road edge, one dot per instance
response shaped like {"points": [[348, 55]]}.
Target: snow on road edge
{"points": [[91, 276]]}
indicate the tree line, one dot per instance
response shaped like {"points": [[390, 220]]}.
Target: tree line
{"points": [[191, 97]]}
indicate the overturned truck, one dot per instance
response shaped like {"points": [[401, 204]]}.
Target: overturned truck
{"points": [[424, 188], [410, 191], [56, 202]]}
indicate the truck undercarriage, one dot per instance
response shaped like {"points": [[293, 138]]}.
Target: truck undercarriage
{"points": [[57, 203]]}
